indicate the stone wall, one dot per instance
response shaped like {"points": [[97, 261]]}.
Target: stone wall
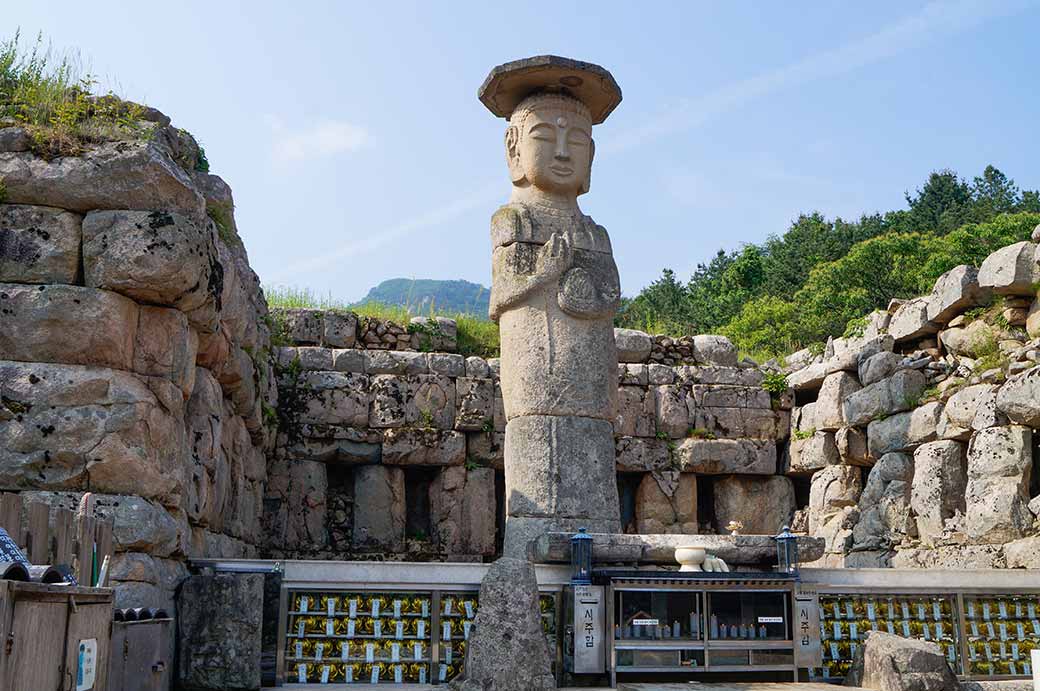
{"points": [[918, 436], [398, 454], [133, 351]]}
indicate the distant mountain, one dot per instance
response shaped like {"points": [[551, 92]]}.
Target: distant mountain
{"points": [[417, 295]]}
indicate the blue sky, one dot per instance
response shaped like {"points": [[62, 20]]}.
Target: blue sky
{"points": [[357, 150]]}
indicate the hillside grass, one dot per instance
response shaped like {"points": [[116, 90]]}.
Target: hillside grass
{"points": [[55, 98], [475, 336]]}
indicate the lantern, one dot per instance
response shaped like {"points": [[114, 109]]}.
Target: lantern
{"points": [[581, 558], [787, 552]]}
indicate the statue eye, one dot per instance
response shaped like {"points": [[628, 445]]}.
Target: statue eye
{"points": [[543, 133], [578, 138]]}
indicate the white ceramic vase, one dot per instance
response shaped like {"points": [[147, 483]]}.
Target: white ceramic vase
{"points": [[690, 558]]}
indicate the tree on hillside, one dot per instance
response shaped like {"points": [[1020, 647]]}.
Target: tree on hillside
{"points": [[660, 307], [942, 204], [806, 284], [993, 193], [811, 239]]}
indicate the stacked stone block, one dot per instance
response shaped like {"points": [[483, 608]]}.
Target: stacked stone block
{"points": [[372, 418], [917, 436], [132, 352]]}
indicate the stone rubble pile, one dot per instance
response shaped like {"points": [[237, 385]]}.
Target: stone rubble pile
{"points": [[371, 435], [133, 351], [917, 436]]}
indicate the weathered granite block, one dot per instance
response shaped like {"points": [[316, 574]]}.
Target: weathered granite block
{"points": [[892, 395], [303, 326], [339, 329], [811, 453], [462, 511], [379, 508], [395, 362], [166, 346], [414, 400], [112, 175], [487, 448], [725, 456], [763, 504], [39, 244], [475, 399], [833, 489], [937, 492], [153, 257], [891, 663], [60, 424], [640, 454], [510, 653], [96, 327], [635, 412], [219, 622], [997, 495], [1019, 398], [632, 345], [1011, 270], [955, 292], [884, 505], [335, 398], [667, 503], [410, 446], [905, 431]]}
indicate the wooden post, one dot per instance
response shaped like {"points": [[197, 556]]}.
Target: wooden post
{"points": [[104, 540], [85, 550], [11, 516], [64, 537], [39, 544]]}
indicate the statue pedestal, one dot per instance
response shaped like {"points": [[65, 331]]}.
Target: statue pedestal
{"points": [[616, 548]]}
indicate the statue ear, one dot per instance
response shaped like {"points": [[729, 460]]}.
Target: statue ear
{"points": [[588, 175], [516, 170]]}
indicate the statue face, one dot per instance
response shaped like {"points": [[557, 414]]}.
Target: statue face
{"points": [[554, 151]]}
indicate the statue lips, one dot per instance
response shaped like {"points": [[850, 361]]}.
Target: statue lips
{"points": [[561, 170]]}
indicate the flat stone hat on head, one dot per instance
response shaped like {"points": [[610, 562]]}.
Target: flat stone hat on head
{"points": [[509, 84]]}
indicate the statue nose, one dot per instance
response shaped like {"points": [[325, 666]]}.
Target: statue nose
{"points": [[562, 152]]}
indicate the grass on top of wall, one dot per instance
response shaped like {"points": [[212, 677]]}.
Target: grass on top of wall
{"points": [[54, 97], [475, 336]]}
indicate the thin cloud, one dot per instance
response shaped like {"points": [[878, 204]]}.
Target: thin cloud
{"points": [[322, 139], [482, 197], [934, 20]]}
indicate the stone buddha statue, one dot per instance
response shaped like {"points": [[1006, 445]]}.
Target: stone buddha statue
{"points": [[554, 293]]}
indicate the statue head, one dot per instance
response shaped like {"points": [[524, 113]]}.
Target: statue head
{"points": [[549, 144]]}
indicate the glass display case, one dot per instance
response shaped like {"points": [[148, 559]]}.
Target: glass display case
{"points": [[1001, 631], [678, 623], [845, 619]]}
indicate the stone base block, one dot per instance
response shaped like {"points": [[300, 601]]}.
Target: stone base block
{"points": [[560, 468]]}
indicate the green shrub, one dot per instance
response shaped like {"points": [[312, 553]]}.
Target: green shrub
{"points": [[775, 383], [222, 218], [763, 327]]}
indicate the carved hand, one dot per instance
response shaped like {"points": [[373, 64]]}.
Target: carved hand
{"points": [[555, 257]]}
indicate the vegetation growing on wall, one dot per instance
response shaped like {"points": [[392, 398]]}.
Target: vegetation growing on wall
{"points": [[56, 101], [475, 336], [808, 284]]}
